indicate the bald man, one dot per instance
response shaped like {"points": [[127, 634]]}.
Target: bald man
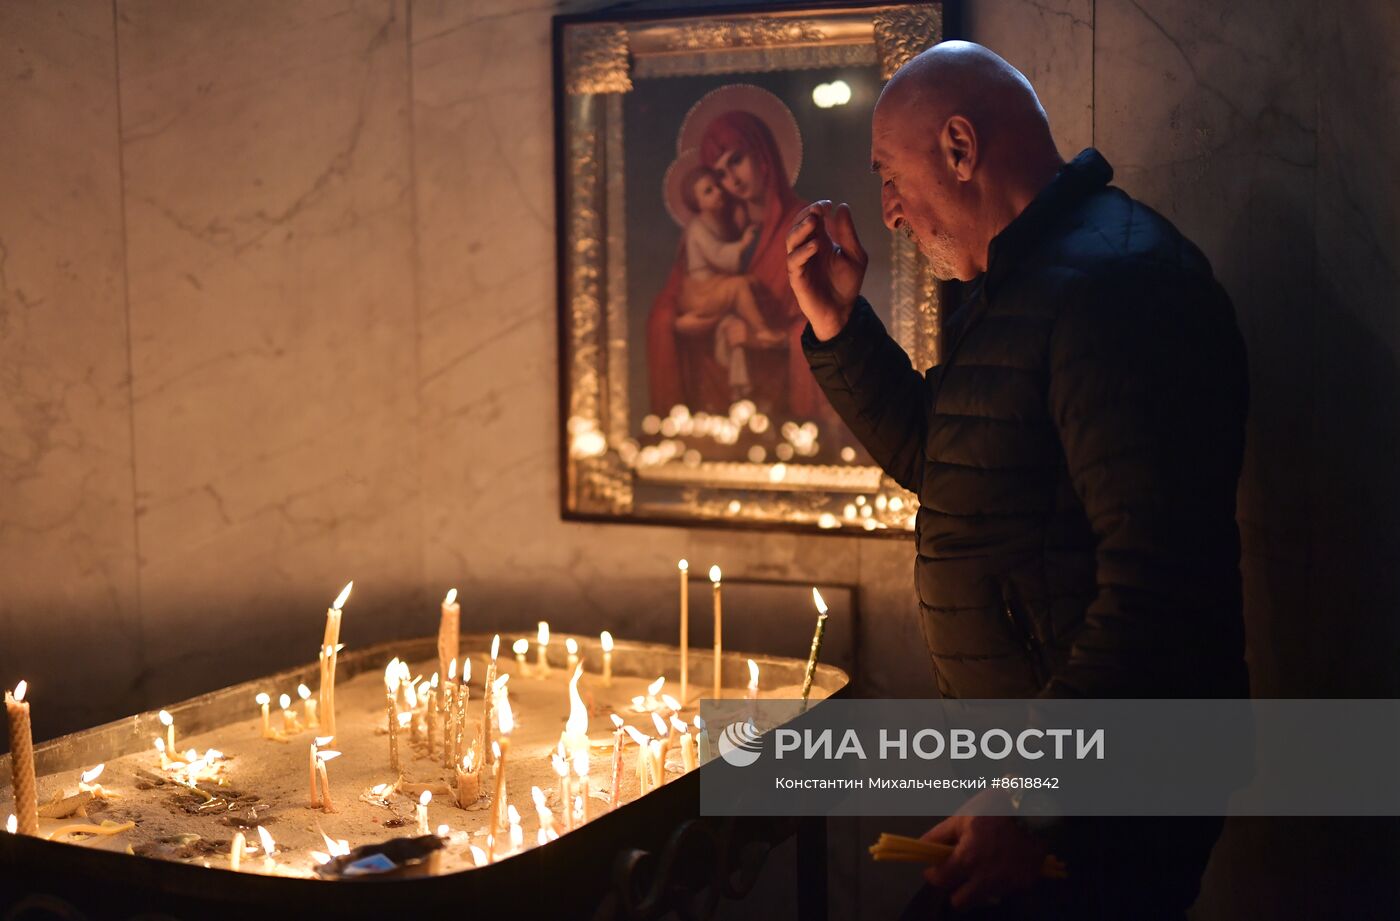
{"points": [[1076, 452]]}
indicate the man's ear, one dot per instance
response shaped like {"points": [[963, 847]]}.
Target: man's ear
{"points": [[959, 143]]}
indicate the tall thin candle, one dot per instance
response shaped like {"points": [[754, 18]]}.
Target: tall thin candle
{"points": [[449, 630], [719, 629], [331, 647], [684, 567], [22, 781], [816, 646]]}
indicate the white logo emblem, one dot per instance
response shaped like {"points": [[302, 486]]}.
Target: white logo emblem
{"points": [[741, 743]]}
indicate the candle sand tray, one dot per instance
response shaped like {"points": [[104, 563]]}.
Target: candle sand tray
{"points": [[175, 856]]}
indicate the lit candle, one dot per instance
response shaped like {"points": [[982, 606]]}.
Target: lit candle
{"points": [[432, 710], [657, 763], [487, 700], [308, 706], [449, 715], [520, 647], [290, 723], [685, 627], [321, 758], [449, 630], [816, 646], [269, 848], [506, 723], [263, 701], [23, 785], [606, 640], [546, 817], [168, 722], [423, 800], [753, 679], [12, 824], [664, 735], [576, 727], [688, 750], [464, 693], [391, 712], [615, 797], [468, 780], [315, 794], [235, 854], [331, 646], [571, 647], [542, 649], [719, 623]]}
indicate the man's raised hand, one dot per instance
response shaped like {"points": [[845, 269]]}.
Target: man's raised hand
{"points": [[826, 265]]}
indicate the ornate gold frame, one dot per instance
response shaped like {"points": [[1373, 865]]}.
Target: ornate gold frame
{"points": [[596, 60]]}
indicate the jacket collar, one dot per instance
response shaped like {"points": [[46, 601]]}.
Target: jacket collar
{"points": [[1076, 180]]}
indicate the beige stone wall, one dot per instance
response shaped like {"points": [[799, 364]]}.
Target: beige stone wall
{"points": [[277, 310]]}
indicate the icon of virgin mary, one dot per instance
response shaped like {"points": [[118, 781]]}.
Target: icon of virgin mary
{"points": [[747, 141]]}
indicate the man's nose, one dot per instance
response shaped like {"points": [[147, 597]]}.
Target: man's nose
{"points": [[890, 209]]}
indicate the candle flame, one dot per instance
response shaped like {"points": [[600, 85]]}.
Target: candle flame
{"points": [[495, 646], [434, 681], [683, 565], [500, 684], [542, 634], [571, 646], [659, 723], [12, 823], [817, 597], [327, 755], [496, 750], [506, 719], [606, 639], [320, 858], [404, 719], [284, 701], [714, 574], [538, 796], [513, 814], [466, 671], [444, 830], [391, 675], [452, 670], [379, 789], [451, 597], [636, 735], [616, 721], [324, 740], [90, 776], [337, 848], [19, 691], [212, 754], [165, 718], [670, 702], [561, 767], [520, 647], [679, 725], [469, 762], [262, 699], [344, 595], [478, 855], [578, 713], [581, 762], [303, 692], [425, 798], [269, 846], [655, 687], [753, 675], [160, 744], [699, 724]]}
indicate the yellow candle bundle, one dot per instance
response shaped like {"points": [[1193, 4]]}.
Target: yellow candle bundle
{"points": [[912, 850]]}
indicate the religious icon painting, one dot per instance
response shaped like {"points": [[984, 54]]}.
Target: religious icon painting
{"points": [[686, 145]]}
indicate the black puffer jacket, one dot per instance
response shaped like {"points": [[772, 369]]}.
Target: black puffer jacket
{"points": [[1076, 455]]}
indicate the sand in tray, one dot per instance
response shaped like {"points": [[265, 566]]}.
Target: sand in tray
{"points": [[271, 779]]}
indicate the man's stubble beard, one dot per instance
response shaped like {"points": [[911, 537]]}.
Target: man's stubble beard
{"points": [[940, 251]]}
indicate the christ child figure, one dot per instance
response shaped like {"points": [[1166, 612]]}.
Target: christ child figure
{"points": [[714, 285]]}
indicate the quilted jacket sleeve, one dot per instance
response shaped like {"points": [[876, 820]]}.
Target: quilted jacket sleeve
{"points": [[1148, 391], [869, 381]]}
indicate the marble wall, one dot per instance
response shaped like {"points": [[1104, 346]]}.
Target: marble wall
{"points": [[277, 310]]}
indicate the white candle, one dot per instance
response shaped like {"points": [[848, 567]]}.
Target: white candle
{"points": [[571, 647], [520, 647], [685, 627], [468, 781], [331, 645], [702, 740], [615, 797], [308, 706], [643, 771], [581, 773], [264, 702], [753, 680], [542, 649], [321, 758], [269, 848], [576, 727], [449, 630], [506, 723], [606, 640], [423, 800], [168, 722], [22, 779], [315, 794], [517, 834], [546, 817], [235, 856], [488, 699], [290, 724], [719, 623]]}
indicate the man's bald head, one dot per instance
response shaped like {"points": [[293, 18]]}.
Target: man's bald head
{"points": [[963, 144]]}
